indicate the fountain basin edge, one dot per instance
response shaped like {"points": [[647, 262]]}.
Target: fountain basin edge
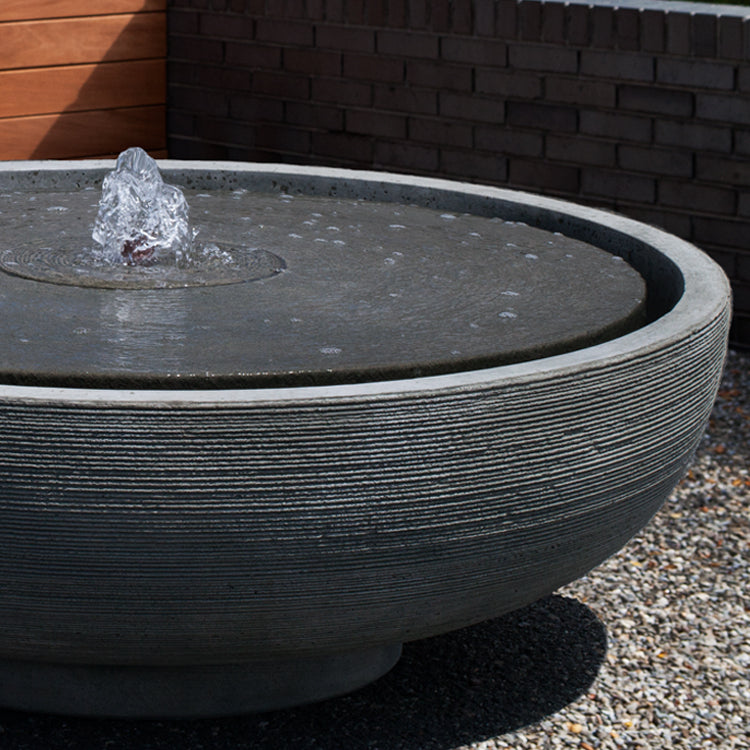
{"points": [[164, 550]]}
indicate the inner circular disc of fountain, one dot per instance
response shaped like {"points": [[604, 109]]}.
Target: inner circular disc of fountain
{"points": [[343, 290], [212, 265]]}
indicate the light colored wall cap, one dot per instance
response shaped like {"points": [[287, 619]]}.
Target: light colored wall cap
{"points": [[667, 6]]}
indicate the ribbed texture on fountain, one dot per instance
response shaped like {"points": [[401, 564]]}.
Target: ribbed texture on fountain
{"points": [[231, 532]]}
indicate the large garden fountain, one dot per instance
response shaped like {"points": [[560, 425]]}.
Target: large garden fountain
{"points": [[243, 461]]}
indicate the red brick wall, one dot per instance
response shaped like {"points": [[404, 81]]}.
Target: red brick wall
{"points": [[645, 111]]}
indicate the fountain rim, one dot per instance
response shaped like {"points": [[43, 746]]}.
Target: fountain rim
{"points": [[704, 295]]}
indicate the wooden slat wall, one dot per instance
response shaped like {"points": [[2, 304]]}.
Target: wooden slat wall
{"points": [[79, 84]]}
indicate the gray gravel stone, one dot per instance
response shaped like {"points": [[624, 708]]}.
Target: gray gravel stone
{"points": [[650, 650]]}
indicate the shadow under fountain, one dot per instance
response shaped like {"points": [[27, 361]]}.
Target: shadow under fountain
{"points": [[451, 690]]}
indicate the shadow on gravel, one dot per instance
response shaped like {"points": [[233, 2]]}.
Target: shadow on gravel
{"points": [[451, 690]]}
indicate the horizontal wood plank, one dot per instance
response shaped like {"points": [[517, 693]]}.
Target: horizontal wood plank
{"points": [[82, 87], [23, 10], [79, 134], [32, 44]]}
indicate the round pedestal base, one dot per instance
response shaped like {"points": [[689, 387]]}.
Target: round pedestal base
{"points": [[188, 691]]}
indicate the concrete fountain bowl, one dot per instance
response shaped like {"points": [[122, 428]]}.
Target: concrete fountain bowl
{"points": [[248, 492]]}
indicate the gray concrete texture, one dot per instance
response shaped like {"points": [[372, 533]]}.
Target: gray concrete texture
{"points": [[146, 530]]}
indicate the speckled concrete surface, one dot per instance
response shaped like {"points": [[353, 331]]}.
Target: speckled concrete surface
{"points": [[651, 650]]}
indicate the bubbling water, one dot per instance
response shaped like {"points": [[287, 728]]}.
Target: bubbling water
{"points": [[142, 236], [141, 219]]}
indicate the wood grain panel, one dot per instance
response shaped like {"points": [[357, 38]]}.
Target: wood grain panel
{"points": [[69, 41], [21, 10], [81, 87], [81, 79], [76, 134]]}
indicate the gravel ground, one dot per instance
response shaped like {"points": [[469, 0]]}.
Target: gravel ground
{"points": [[651, 650]]}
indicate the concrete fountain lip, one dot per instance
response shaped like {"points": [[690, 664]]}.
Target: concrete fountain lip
{"points": [[204, 552], [700, 278]]}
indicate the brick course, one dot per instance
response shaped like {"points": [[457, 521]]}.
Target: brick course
{"points": [[644, 111]]}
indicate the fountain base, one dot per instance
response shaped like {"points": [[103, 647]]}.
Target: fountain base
{"points": [[189, 691]]}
